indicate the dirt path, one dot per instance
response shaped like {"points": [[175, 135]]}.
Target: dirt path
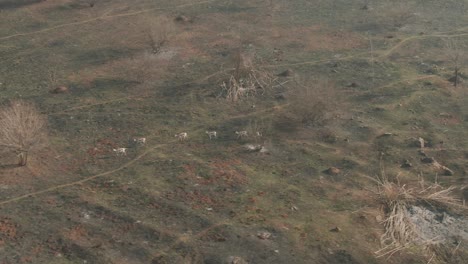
{"points": [[102, 17], [205, 78], [408, 39], [53, 188]]}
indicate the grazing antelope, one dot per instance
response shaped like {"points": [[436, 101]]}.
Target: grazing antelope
{"points": [[182, 136], [241, 134], [140, 140], [212, 134], [120, 151], [258, 134]]}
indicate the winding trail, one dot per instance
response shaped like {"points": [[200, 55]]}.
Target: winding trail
{"points": [[102, 17], [61, 186]]}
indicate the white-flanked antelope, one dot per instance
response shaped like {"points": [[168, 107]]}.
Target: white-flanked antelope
{"points": [[139, 140], [241, 134], [182, 136], [212, 134], [120, 151]]}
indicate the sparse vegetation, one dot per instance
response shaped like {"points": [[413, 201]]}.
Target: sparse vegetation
{"points": [[313, 101], [315, 91]]}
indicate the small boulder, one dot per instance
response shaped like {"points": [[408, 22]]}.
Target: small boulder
{"points": [[286, 73], [386, 134], [352, 85], [264, 235], [183, 19], [428, 160], [280, 96], [332, 171], [59, 90], [406, 164], [236, 260]]}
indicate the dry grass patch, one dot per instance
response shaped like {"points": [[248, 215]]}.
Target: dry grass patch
{"points": [[247, 79], [397, 198]]}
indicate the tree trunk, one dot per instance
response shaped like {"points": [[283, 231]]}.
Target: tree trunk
{"points": [[23, 158]]}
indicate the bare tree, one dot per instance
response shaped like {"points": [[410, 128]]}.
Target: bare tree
{"points": [[22, 129], [455, 55], [159, 30]]}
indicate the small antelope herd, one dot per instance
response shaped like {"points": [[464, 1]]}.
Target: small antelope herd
{"points": [[182, 137]]}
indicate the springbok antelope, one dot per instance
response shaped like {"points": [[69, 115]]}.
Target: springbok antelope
{"points": [[120, 151], [212, 134], [241, 134], [139, 140], [182, 136]]}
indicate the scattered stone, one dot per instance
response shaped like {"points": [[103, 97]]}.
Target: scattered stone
{"points": [[236, 260], [352, 85], [335, 229], [280, 96], [183, 19], [421, 142], [406, 164], [60, 89], [387, 134], [428, 160], [264, 235], [285, 73], [332, 171]]}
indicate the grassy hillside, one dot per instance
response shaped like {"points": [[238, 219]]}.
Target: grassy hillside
{"points": [[361, 82]]}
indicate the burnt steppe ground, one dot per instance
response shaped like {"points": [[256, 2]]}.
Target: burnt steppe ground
{"points": [[386, 67]]}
